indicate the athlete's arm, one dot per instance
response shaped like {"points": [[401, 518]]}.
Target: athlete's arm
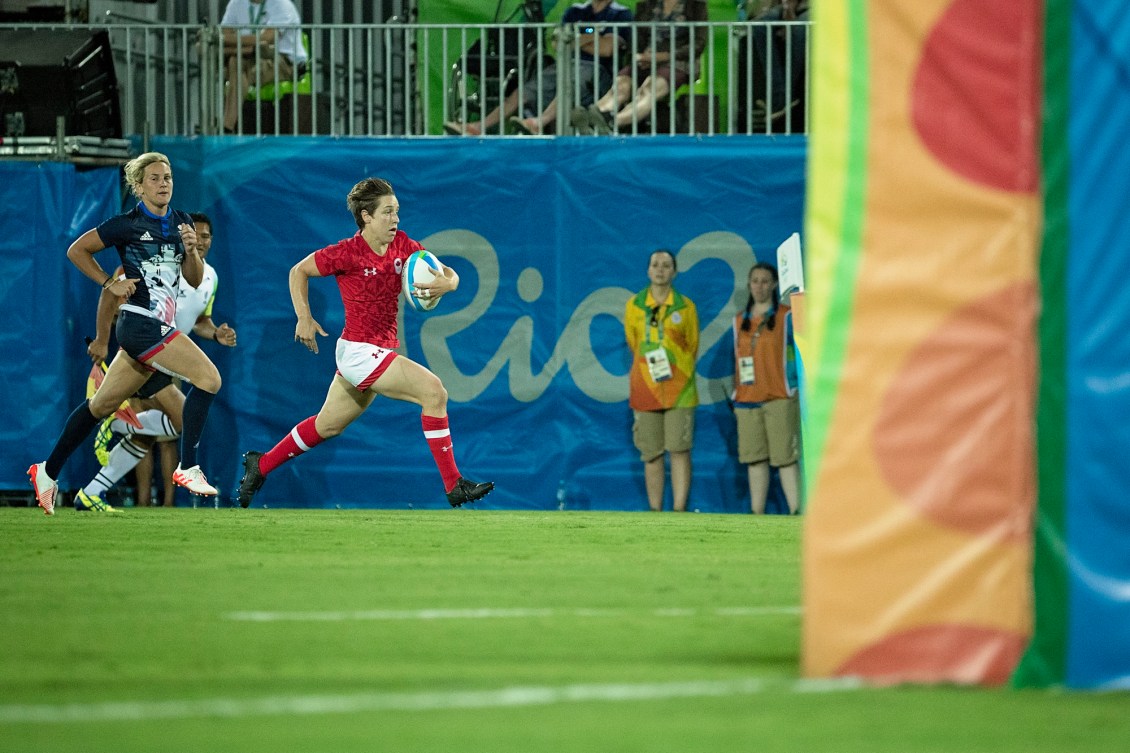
{"points": [[204, 328], [307, 328], [207, 329], [192, 268], [108, 305], [81, 253]]}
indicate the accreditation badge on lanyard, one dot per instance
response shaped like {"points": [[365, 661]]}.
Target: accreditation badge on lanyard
{"points": [[745, 363], [745, 370], [658, 365]]}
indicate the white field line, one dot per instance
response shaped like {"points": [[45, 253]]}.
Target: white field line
{"points": [[296, 705], [486, 613]]}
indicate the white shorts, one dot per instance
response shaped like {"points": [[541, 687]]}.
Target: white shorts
{"points": [[361, 363]]}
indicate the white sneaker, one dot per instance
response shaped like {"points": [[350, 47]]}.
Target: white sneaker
{"points": [[45, 488], [193, 480]]}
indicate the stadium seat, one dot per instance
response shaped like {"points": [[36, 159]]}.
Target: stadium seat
{"points": [[271, 90]]}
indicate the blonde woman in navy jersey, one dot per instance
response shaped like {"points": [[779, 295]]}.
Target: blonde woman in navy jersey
{"points": [[156, 245], [367, 268]]}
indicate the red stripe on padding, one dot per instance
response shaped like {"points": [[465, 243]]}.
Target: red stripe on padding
{"points": [[150, 354], [382, 367]]}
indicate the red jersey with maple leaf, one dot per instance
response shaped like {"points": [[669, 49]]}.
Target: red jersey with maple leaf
{"points": [[370, 286]]}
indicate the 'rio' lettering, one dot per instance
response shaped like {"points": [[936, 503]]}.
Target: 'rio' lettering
{"points": [[574, 349]]}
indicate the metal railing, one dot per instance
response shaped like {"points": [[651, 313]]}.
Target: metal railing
{"points": [[398, 79], [748, 78]]}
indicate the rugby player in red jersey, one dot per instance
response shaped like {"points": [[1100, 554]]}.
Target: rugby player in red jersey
{"points": [[368, 270]]}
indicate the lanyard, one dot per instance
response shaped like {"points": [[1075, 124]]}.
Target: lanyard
{"points": [[656, 321], [254, 17], [761, 325]]}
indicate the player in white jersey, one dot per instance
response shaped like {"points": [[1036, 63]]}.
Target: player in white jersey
{"points": [[194, 302]]}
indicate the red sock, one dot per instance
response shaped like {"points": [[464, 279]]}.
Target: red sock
{"points": [[438, 435], [300, 439]]}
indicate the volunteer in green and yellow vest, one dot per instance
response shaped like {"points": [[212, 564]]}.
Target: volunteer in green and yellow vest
{"points": [[661, 326]]}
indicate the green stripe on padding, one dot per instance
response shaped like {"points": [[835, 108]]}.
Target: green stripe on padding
{"points": [[821, 395], [1045, 662]]}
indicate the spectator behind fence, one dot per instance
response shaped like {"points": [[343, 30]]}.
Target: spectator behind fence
{"points": [[778, 70], [661, 71], [661, 327], [254, 44], [765, 393], [592, 77], [530, 121]]}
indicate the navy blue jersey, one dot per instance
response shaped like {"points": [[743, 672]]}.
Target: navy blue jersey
{"points": [[151, 251]]}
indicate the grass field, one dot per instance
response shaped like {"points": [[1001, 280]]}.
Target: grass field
{"points": [[287, 630]]}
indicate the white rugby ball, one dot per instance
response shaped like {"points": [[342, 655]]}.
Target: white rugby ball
{"points": [[416, 270]]}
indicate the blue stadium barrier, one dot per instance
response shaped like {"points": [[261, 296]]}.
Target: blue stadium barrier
{"points": [[549, 236]]}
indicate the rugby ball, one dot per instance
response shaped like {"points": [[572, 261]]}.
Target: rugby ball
{"points": [[416, 270]]}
